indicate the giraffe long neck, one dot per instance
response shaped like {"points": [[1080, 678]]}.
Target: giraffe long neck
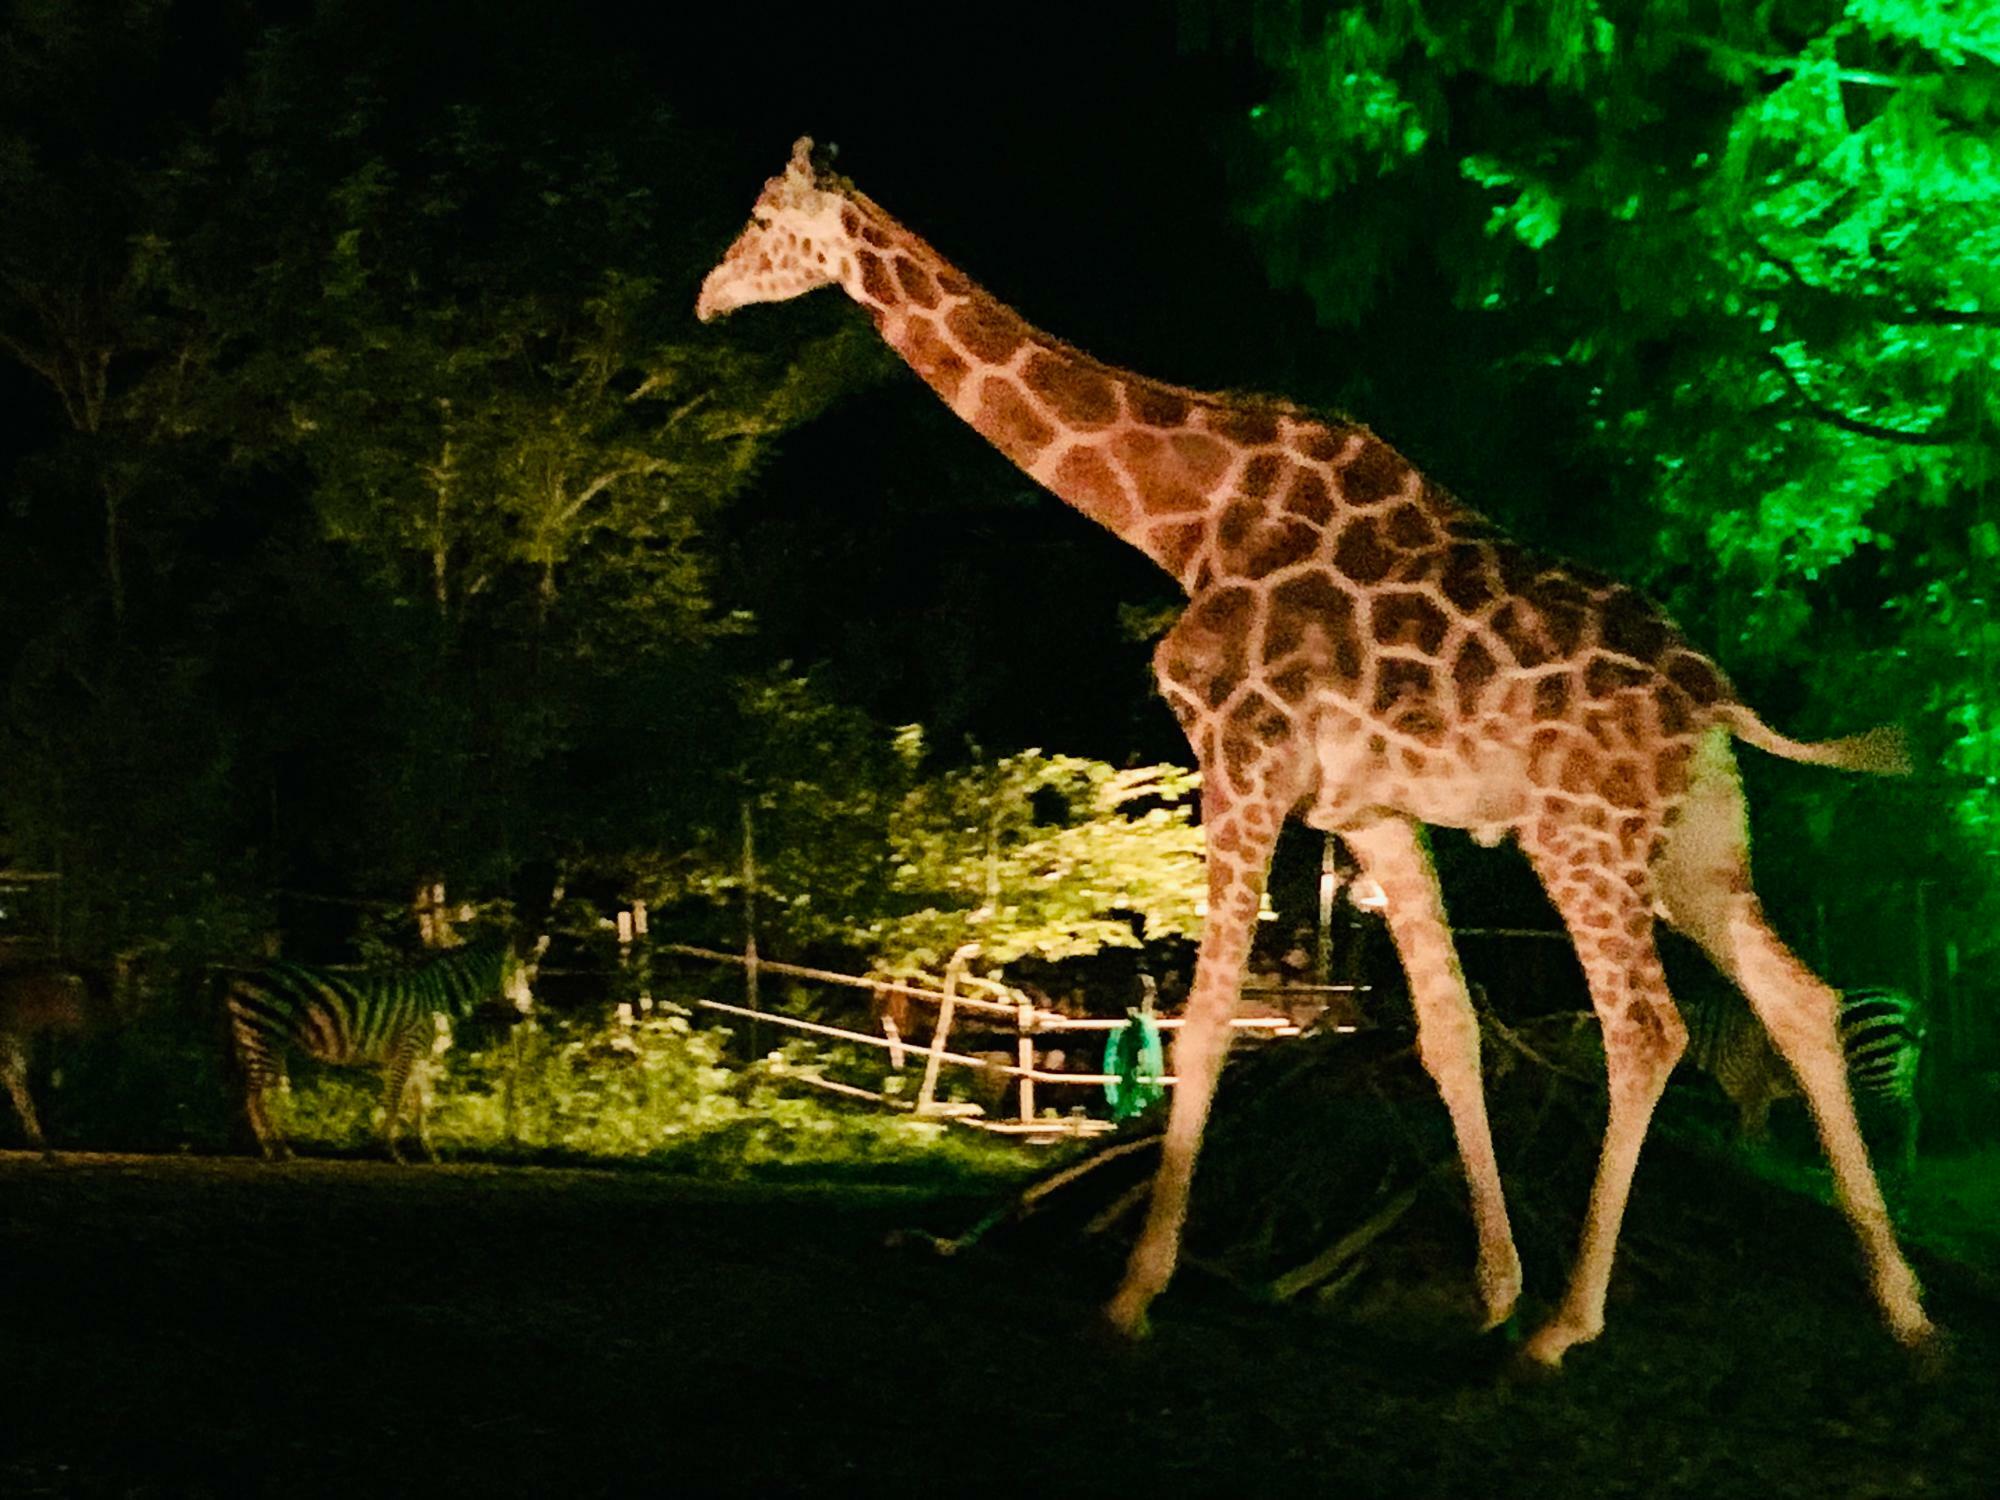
{"points": [[1153, 463]]}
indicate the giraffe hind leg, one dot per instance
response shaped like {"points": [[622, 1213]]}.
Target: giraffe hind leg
{"points": [[1704, 879], [1392, 853], [1611, 922]]}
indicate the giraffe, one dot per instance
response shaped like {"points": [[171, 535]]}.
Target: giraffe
{"points": [[1362, 650]]}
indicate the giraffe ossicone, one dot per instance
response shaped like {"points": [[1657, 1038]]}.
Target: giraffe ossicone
{"points": [[1361, 650]]}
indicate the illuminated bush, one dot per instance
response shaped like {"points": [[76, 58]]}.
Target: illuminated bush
{"points": [[654, 1090]]}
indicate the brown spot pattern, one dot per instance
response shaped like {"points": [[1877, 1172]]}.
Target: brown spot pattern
{"points": [[1007, 421], [932, 358], [1309, 499], [1474, 668], [1606, 676], [1173, 545], [1321, 443], [875, 280], [1201, 457], [1622, 785], [1239, 519], [1248, 425], [1373, 474], [1409, 620], [1697, 678], [1079, 395], [1409, 529], [986, 331], [1161, 480], [1360, 554], [1260, 475], [1520, 632], [1206, 652], [1276, 545], [1465, 581], [1156, 407], [1401, 682], [1087, 481], [1301, 607], [917, 283]]}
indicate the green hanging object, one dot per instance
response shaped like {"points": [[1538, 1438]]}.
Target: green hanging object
{"points": [[1136, 1062]]}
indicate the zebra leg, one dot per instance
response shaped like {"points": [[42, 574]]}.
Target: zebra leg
{"points": [[270, 1140], [259, 1070], [14, 1068], [420, 1098], [396, 1084], [1704, 879]]}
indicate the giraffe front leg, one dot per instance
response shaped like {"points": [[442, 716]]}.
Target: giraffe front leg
{"points": [[1392, 852], [1241, 836]]}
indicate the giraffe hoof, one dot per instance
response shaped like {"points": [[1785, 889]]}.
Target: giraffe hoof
{"points": [[1550, 1343], [1125, 1319], [1932, 1354], [1526, 1369]]}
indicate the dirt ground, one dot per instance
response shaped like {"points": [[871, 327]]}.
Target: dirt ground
{"points": [[185, 1326]]}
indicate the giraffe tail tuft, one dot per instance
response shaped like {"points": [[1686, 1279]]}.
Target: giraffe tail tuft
{"points": [[1881, 751]]}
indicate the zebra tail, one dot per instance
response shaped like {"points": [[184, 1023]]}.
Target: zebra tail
{"points": [[1881, 751]]}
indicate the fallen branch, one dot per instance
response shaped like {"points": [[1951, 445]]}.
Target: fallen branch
{"points": [[1349, 1246]]}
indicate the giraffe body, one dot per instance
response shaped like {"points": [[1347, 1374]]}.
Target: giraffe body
{"points": [[1361, 650]]}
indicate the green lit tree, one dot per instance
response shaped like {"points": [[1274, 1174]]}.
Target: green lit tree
{"points": [[1735, 269]]}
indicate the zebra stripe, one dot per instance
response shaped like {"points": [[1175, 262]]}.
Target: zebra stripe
{"points": [[1881, 1036], [388, 1021]]}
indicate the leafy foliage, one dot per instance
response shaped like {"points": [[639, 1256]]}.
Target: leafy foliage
{"points": [[652, 1089], [1043, 856], [1738, 264]]}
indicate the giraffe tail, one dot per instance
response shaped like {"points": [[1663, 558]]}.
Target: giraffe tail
{"points": [[1881, 751]]}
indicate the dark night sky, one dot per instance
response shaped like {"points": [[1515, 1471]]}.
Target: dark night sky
{"points": [[1064, 156]]}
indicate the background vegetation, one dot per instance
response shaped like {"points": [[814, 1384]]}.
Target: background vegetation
{"points": [[377, 513]]}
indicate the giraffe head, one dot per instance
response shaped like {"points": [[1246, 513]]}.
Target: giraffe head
{"points": [[794, 242]]}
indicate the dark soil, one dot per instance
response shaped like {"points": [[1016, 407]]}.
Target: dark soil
{"points": [[214, 1327]]}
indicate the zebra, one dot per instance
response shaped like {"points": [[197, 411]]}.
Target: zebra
{"points": [[34, 1002], [1881, 1032], [390, 1021]]}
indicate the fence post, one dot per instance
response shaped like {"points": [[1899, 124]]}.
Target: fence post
{"points": [[927, 1095], [643, 955], [1024, 1052], [750, 934], [1329, 885]]}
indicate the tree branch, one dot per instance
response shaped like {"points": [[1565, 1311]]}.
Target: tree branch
{"points": [[1881, 309], [1929, 438]]}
